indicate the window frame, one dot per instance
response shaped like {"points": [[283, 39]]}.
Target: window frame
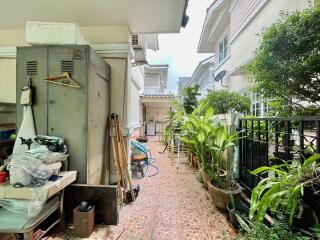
{"points": [[223, 49]]}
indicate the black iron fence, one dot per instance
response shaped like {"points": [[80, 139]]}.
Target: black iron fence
{"points": [[264, 141]]}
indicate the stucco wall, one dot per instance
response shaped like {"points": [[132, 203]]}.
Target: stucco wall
{"points": [[8, 80]]}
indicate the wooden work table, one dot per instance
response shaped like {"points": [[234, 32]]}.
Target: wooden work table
{"points": [[55, 193], [7, 191]]}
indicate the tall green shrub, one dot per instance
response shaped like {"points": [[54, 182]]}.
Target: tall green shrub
{"points": [[223, 101], [190, 100], [286, 68]]}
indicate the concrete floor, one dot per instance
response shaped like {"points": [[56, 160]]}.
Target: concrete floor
{"points": [[170, 205]]}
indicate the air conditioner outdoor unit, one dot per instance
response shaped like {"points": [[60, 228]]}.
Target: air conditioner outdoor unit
{"points": [[138, 49], [136, 41]]}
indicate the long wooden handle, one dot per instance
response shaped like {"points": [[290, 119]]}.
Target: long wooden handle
{"points": [[125, 162]]}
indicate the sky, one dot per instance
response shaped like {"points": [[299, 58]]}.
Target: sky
{"points": [[179, 50]]}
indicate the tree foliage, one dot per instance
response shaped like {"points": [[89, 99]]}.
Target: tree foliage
{"points": [[287, 63], [190, 100], [223, 101]]}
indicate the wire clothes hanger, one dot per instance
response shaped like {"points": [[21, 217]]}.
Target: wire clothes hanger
{"points": [[64, 79]]}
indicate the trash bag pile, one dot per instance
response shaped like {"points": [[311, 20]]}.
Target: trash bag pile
{"points": [[33, 169]]}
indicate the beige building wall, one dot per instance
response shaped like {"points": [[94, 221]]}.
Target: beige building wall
{"points": [[7, 80]]}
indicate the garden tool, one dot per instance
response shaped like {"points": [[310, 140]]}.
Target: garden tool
{"points": [[121, 151], [165, 148]]}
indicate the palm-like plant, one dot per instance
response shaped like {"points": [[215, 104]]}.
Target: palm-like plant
{"points": [[198, 132], [283, 188], [218, 145], [173, 121]]}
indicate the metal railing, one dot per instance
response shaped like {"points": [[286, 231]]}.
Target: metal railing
{"points": [[267, 141]]}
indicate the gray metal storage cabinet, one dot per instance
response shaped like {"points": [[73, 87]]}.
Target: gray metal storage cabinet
{"points": [[78, 115]]}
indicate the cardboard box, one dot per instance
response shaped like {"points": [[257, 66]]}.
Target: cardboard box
{"points": [[54, 33], [83, 222]]}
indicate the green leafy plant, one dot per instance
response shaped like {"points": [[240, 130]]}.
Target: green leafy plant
{"points": [[189, 98], [287, 64], [278, 231], [224, 101], [283, 188], [218, 145], [174, 120], [208, 138], [197, 133]]}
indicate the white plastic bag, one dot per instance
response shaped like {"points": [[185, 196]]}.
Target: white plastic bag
{"points": [[28, 170], [29, 208]]}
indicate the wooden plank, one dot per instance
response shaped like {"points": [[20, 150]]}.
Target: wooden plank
{"points": [[105, 199], [118, 164], [26, 193], [125, 157]]}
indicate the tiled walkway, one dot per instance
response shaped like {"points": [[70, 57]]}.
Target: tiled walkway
{"points": [[170, 205]]}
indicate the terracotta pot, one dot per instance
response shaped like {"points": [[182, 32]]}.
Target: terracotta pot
{"points": [[195, 161], [200, 178], [205, 178], [221, 197], [189, 158]]}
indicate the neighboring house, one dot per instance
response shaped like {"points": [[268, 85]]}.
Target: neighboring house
{"points": [[182, 84], [203, 76], [155, 102], [139, 44], [230, 31], [109, 27], [155, 79]]}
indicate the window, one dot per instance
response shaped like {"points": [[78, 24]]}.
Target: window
{"points": [[268, 111], [223, 49], [256, 108]]}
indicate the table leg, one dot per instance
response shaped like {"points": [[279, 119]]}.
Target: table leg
{"points": [[61, 212], [28, 236]]}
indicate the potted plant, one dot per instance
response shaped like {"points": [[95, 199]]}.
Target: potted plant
{"points": [[237, 208], [198, 130], [220, 186], [277, 230], [283, 187]]}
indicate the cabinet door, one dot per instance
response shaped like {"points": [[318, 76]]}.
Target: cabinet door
{"points": [[67, 106], [32, 63]]}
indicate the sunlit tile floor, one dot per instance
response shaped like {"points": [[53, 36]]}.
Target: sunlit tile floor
{"points": [[170, 205]]}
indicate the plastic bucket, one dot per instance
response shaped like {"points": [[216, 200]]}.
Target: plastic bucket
{"points": [[3, 177]]}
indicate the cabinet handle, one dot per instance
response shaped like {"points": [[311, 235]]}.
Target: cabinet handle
{"points": [[52, 129]]}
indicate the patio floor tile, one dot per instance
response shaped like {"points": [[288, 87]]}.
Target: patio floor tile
{"points": [[170, 205]]}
